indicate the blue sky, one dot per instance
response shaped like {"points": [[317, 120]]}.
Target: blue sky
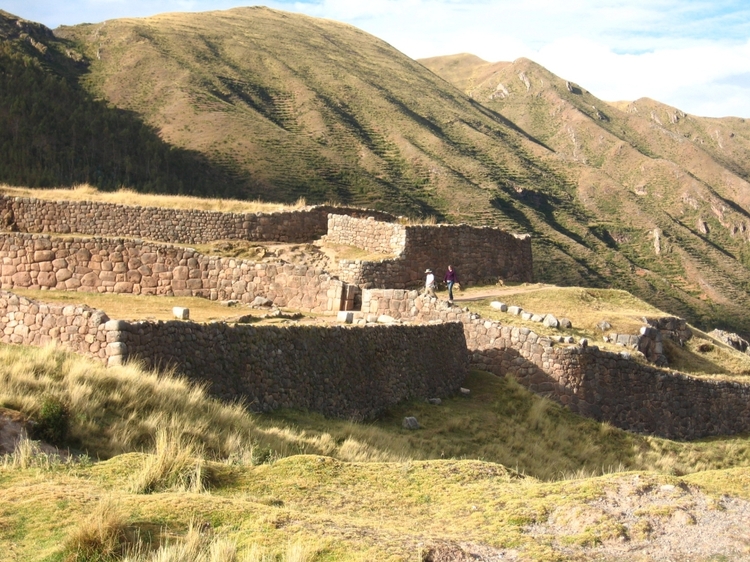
{"points": [[692, 54]]}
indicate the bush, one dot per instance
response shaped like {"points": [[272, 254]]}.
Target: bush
{"points": [[51, 424]]}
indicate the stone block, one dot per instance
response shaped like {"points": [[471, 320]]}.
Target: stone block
{"points": [[551, 322], [345, 317], [410, 422], [181, 312], [501, 306]]}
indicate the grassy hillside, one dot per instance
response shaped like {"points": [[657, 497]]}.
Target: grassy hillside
{"points": [[277, 106], [297, 487], [55, 133], [664, 190]]}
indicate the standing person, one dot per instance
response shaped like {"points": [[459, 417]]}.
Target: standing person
{"points": [[451, 278], [429, 283]]}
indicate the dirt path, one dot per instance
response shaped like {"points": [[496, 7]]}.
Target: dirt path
{"points": [[481, 293]]}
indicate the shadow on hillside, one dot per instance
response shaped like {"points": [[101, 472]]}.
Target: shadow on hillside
{"points": [[55, 133], [495, 116]]}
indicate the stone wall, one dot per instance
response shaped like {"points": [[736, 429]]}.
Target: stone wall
{"points": [[478, 255], [606, 386], [343, 372], [77, 327], [338, 371], [612, 387], [38, 261], [368, 234], [184, 226]]}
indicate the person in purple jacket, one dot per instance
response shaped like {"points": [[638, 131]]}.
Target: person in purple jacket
{"points": [[451, 279]]}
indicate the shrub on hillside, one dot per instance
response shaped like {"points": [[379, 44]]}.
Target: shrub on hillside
{"points": [[51, 424]]}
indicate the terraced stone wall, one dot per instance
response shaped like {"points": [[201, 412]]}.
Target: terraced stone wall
{"points": [[338, 371], [77, 327], [109, 265], [343, 372], [183, 226], [610, 386], [606, 386], [478, 255]]}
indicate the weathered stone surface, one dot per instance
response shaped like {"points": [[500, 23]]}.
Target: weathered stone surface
{"points": [[565, 323], [515, 310], [117, 266], [261, 302], [501, 306], [731, 339], [345, 316], [410, 422], [483, 253], [551, 322], [157, 223], [181, 313]]}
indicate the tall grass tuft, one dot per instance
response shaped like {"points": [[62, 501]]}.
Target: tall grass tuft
{"points": [[29, 454], [176, 464], [101, 536]]}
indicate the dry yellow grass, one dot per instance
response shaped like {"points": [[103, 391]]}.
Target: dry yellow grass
{"points": [[145, 307], [130, 197]]}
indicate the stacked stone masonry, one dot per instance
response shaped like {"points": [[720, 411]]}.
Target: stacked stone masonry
{"points": [[338, 371], [106, 265], [183, 226], [477, 254], [79, 328], [268, 367], [599, 384]]}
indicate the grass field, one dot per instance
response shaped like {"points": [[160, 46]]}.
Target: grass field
{"points": [[218, 483]]}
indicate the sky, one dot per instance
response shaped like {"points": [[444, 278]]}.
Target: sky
{"points": [[691, 54]]}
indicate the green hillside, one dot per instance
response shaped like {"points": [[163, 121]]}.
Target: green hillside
{"points": [[54, 133], [261, 104], [668, 191]]}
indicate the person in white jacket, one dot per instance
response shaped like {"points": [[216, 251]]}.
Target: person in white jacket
{"points": [[429, 283]]}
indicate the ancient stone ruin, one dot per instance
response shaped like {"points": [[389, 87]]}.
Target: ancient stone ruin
{"points": [[340, 371]]}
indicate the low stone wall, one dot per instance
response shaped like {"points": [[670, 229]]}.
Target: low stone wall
{"points": [[477, 254], [38, 261], [79, 328], [613, 387], [183, 226], [606, 386], [343, 372]]}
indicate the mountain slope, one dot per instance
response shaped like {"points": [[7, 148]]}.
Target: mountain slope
{"points": [[53, 132], [298, 106], [277, 106], [668, 190]]}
